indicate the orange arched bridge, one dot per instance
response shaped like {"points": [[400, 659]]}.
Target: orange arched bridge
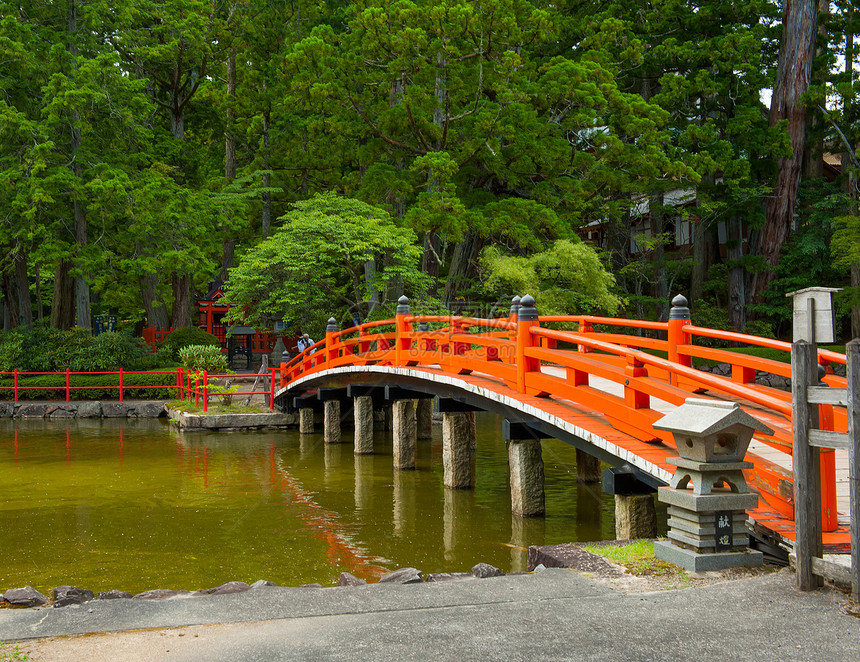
{"points": [[599, 383]]}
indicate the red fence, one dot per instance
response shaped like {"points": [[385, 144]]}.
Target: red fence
{"points": [[122, 389], [202, 385], [187, 385]]}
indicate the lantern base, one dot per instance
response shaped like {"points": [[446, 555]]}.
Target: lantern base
{"points": [[694, 562]]}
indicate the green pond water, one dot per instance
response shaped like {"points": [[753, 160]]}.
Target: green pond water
{"points": [[138, 505]]}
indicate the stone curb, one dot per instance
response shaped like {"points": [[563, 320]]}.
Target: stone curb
{"points": [[84, 409], [71, 595]]}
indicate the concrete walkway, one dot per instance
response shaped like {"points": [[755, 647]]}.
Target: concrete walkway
{"points": [[552, 615]]}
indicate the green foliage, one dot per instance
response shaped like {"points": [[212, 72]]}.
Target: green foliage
{"points": [[204, 358], [313, 266], [566, 279], [53, 387], [48, 350], [176, 340]]}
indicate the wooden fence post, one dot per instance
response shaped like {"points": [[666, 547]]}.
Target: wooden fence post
{"points": [[120, 384], [205, 391], [852, 355], [807, 468], [68, 386], [16, 385]]}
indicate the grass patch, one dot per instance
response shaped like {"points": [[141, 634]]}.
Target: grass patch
{"points": [[9, 654], [220, 408], [638, 557]]}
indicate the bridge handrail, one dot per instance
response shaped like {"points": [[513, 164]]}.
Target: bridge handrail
{"points": [[706, 379], [772, 343], [606, 321]]}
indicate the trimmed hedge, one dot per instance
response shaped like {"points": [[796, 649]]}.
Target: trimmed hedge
{"points": [[131, 384], [44, 349]]}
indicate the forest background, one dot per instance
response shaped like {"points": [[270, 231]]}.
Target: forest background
{"points": [[336, 155]]}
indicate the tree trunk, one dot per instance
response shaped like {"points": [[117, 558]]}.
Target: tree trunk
{"points": [[431, 260], [10, 293], [229, 135], [62, 308], [372, 291], [700, 236], [737, 282], [855, 309], [794, 73], [658, 258], [181, 301], [82, 288], [22, 284], [153, 304], [267, 176], [40, 306]]}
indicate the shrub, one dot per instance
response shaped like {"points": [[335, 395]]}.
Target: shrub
{"points": [[108, 351], [203, 357], [176, 340]]}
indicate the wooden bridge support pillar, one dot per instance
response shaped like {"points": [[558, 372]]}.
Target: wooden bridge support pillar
{"points": [[458, 442], [424, 416], [306, 420], [405, 434], [526, 466], [363, 414], [331, 422], [635, 516], [587, 467]]}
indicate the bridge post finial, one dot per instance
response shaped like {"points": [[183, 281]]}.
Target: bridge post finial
{"points": [[679, 317], [515, 308], [527, 318], [331, 330], [403, 326], [679, 308], [527, 311]]}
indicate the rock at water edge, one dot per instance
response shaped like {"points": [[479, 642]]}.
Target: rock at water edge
{"points": [[260, 583], [347, 579], [114, 594], [402, 576], [484, 570], [161, 594], [448, 576], [226, 588], [71, 595], [25, 597]]}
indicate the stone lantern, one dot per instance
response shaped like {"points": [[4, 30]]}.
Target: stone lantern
{"points": [[708, 496]]}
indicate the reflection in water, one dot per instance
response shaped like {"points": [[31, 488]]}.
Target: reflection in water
{"points": [[134, 504], [457, 520], [524, 531], [589, 514], [363, 468]]}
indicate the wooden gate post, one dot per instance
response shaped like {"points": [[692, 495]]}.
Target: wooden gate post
{"points": [[807, 467], [852, 355]]}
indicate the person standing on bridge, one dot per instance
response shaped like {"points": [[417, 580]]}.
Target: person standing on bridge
{"points": [[304, 342]]}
